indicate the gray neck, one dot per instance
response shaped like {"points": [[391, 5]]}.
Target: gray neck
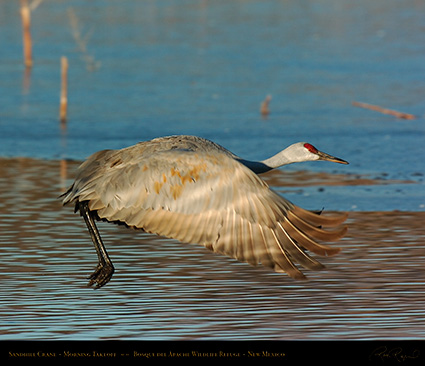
{"points": [[257, 167], [276, 161]]}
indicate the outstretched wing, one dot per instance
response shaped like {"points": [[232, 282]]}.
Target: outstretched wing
{"points": [[209, 199]]}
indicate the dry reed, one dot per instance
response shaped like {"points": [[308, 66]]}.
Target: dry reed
{"points": [[26, 32], [81, 41], [264, 108], [64, 90], [384, 110]]}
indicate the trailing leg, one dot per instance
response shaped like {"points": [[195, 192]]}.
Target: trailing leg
{"points": [[105, 269]]}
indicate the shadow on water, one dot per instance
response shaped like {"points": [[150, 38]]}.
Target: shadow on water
{"points": [[163, 289]]}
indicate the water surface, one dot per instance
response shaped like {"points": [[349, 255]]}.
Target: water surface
{"points": [[165, 290], [139, 70]]}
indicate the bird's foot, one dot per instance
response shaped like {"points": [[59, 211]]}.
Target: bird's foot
{"points": [[101, 275]]}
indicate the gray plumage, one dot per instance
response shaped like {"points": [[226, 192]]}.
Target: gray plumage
{"points": [[196, 191]]}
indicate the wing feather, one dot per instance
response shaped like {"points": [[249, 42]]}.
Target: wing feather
{"points": [[295, 251]]}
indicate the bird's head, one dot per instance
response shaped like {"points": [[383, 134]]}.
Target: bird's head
{"points": [[296, 153], [313, 154], [304, 151]]}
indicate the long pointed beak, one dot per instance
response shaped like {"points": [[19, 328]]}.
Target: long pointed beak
{"points": [[327, 157]]}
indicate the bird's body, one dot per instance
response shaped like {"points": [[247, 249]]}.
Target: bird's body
{"points": [[196, 191]]}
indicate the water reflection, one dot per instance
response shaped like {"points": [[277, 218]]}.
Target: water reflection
{"points": [[163, 289]]}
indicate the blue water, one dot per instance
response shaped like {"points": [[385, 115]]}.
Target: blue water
{"points": [[158, 68], [143, 69]]}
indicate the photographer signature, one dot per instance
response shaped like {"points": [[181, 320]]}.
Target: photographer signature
{"points": [[395, 353]]}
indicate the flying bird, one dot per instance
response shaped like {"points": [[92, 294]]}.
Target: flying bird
{"points": [[194, 190]]}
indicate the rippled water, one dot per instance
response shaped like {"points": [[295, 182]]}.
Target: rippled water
{"points": [[163, 289]]}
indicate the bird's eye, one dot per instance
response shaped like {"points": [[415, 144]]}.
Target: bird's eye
{"points": [[311, 148]]}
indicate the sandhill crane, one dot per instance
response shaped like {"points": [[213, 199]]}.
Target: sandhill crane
{"points": [[194, 190]]}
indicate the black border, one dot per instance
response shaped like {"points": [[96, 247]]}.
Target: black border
{"points": [[383, 352]]}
